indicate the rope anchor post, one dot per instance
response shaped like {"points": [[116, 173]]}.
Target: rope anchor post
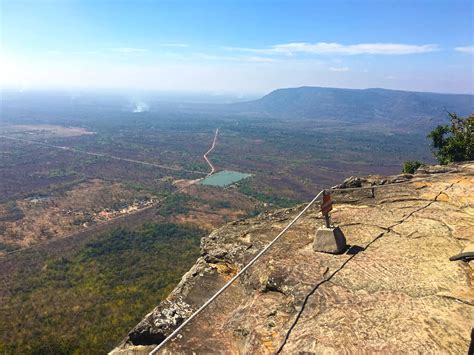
{"points": [[329, 239]]}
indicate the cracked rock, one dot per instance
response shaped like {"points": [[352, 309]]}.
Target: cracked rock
{"points": [[393, 291]]}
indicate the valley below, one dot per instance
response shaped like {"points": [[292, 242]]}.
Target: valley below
{"points": [[102, 210]]}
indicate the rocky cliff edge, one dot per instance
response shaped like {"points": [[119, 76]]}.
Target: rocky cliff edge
{"points": [[393, 290]]}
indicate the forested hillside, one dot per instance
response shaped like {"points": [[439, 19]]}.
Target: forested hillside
{"points": [[98, 293]]}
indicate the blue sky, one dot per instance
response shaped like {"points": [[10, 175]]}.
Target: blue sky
{"points": [[237, 46]]}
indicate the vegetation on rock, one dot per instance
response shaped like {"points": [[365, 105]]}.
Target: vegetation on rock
{"points": [[410, 166], [454, 143]]}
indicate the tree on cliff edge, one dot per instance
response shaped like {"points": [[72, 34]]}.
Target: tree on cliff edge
{"points": [[454, 143]]}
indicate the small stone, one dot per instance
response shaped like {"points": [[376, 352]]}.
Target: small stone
{"points": [[329, 240]]}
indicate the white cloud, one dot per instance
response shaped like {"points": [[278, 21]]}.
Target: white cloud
{"points": [[254, 59], [129, 50], [236, 71], [339, 69], [85, 52], [466, 49], [337, 48], [258, 59], [180, 45]]}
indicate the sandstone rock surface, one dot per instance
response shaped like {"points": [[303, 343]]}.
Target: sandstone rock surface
{"points": [[394, 290]]}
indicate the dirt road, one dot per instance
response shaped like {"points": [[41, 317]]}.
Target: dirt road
{"points": [[102, 155], [209, 151]]}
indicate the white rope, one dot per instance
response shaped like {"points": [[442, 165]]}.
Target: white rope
{"points": [[231, 281], [264, 250]]}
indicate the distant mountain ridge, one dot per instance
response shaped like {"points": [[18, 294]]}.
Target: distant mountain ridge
{"points": [[380, 109], [392, 107]]}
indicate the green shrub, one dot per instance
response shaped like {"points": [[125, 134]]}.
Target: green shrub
{"points": [[454, 143], [410, 166]]}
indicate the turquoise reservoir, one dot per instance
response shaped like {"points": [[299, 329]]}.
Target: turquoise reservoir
{"points": [[224, 178]]}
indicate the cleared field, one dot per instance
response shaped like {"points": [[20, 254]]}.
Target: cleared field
{"points": [[224, 178], [47, 130]]}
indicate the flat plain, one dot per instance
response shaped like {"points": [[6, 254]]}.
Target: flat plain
{"points": [[82, 185]]}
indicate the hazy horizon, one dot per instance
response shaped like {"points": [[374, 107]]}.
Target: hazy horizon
{"points": [[241, 95], [244, 48]]}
